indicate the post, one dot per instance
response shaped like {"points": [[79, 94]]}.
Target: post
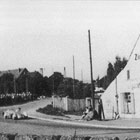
{"points": [[14, 84], [117, 104], [82, 75], [92, 84], [73, 78], [53, 83], [64, 80], [26, 84]]}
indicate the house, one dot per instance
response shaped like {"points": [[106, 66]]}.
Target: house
{"points": [[17, 75], [123, 94]]}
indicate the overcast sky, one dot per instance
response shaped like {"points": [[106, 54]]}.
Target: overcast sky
{"points": [[41, 33]]}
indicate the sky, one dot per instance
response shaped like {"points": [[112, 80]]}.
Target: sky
{"points": [[48, 33]]}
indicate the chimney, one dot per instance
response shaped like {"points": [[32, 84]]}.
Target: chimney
{"points": [[41, 71]]}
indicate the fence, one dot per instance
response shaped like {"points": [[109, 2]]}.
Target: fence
{"points": [[69, 104]]}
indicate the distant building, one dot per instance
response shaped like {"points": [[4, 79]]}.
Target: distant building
{"points": [[17, 75], [34, 74]]}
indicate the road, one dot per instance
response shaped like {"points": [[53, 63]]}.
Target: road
{"points": [[34, 126]]}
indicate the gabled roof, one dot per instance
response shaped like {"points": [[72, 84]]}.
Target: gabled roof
{"points": [[15, 72], [33, 74]]}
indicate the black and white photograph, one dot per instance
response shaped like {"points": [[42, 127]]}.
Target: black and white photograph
{"points": [[69, 70]]}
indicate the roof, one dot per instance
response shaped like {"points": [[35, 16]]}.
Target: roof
{"points": [[15, 72], [33, 74]]}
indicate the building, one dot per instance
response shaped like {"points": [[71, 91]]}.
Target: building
{"points": [[17, 75], [123, 94]]}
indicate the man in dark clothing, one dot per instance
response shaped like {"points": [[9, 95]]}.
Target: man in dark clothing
{"points": [[100, 109]]}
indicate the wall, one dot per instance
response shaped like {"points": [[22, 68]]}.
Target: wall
{"points": [[68, 104], [76, 104], [59, 102]]}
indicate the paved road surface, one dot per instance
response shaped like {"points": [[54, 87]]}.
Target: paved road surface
{"points": [[34, 126]]}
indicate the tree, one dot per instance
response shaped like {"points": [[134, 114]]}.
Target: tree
{"points": [[36, 83], [66, 88], [45, 86], [110, 73], [87, 90], [54, 81], [7, 83], [119, 65]]}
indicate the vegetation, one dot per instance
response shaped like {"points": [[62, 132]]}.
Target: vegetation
{"points": [[56, 84], [112, 71], [49, 110]]}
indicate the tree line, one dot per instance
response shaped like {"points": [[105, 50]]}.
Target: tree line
{"points": [[112, 71], [38, 85], [57, 84]]}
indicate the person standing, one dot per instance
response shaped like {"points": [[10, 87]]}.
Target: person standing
{"points": [[100, 108]]}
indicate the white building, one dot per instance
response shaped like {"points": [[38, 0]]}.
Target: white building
{"points": [[123, 94]]}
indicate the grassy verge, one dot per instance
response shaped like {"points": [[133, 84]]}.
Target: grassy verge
{"points": [[49, 110]]}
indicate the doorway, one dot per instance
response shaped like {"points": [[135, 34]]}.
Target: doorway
{"points": [[127, 103]]}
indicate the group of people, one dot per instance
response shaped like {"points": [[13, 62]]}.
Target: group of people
{"points": [[87, 114], [91, 113], [14, 98]]}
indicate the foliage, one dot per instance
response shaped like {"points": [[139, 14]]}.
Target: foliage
{"points": [[112, 71], [54, 81], [32, 82], [6, 83], [51, 111], [38, 84], [71, 88]]}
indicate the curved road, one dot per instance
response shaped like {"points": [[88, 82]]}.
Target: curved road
{"points": [[34, 126]]}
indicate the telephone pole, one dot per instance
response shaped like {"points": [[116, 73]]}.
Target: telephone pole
{"points": [[92, 84], [14, 84], [73, 78]]}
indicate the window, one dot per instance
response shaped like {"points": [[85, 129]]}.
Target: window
{"points": [[128, 74], [128, 97], [127, 103]]}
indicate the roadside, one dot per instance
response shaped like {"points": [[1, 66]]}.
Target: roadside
{"points": [[31, 108], [75, 120]]}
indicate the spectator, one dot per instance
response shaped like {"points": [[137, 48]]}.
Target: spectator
{"points": [[85, 113]]}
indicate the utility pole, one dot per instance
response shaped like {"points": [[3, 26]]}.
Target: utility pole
{"points": [[14, 84], [64, 80], [82, 75], [64, 72], [92, 84], [73, 78], [26, 84], [117, 104], [53, 81]]}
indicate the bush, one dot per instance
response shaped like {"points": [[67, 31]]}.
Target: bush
{"points": [[51, 111]]}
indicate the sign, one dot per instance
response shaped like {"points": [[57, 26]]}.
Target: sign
{"points": [[137, 57]]}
